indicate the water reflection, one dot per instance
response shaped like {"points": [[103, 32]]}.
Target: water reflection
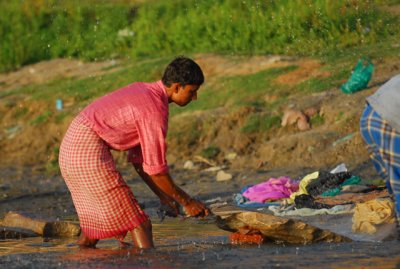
{"points": [[195, 245]]}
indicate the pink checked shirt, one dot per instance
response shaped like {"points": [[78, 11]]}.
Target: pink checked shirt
{"points": [[134, 118]]}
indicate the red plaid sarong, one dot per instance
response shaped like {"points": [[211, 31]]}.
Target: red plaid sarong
{"points": [[105, 204]]}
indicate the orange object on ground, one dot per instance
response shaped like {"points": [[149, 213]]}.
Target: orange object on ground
{"points": [[238, 238]]}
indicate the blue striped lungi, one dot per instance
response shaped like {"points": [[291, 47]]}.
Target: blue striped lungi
{"points": [[383, 144]]}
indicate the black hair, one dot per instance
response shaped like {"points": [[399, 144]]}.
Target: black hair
{"points": [[184, 71]]}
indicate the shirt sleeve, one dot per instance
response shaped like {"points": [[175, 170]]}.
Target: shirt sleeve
{"points": [[135, 155], [152, 130]]}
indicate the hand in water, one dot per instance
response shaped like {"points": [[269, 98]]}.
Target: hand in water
{"points": [[169, 207], [196, 208]]}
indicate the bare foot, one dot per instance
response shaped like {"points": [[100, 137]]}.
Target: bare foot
{"points": [[86, 242], [124, 245]]}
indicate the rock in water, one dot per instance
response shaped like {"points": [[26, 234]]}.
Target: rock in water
{"points": [[15, 233], [41, 227], [277, 229]]}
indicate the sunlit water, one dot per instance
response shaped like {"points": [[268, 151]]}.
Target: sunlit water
{"points": [[191, 244]]}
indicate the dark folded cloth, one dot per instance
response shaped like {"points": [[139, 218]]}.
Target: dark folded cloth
{"points": [[326, 181], [307, 201]]}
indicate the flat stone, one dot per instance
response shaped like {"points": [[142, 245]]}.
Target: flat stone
{"points": [[277, 229], [41, 227], [225, 210]]}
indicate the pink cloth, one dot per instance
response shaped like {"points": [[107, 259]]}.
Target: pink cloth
{"points": [[134, 117], [272, 189]]}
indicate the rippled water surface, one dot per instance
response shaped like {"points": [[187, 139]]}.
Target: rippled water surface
{"points": [[190, 244]]}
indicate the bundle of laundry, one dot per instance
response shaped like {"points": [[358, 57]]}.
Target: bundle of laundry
{"points": [[266, 193], [271, 190], [315, 184], [326, 181]]}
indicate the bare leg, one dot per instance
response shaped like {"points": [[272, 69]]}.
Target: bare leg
{"points": [[124, 245], [142, 235], [86, 242]]}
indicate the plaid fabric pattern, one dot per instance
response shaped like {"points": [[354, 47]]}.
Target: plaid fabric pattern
{"points": [[383, 144], [105, 204]]}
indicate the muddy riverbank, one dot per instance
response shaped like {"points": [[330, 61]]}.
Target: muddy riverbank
{"points": [[30, 189], [191, 243]]}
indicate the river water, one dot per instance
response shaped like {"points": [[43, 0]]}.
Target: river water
{"points": [[191, 244]]}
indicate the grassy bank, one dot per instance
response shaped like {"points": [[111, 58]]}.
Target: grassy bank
{"points": [[33, 30], [151, 33]]}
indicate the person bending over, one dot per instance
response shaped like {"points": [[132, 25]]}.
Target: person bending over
{"points": [[380, 129], [135, 119]]}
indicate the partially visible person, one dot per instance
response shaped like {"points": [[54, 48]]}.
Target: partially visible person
{"points": [[135, 119], [380, 129]]}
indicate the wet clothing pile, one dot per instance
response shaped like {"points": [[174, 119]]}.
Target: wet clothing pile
{"points": [[349, 185], [369, 215], [313, 192], [271, 190], [326, 181], [308, 201], [242, 201], [305, 212], [315, 184], [266, 193]]}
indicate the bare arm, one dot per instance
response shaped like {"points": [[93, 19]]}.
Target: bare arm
{"points": [[164, 187], [148, 180]]}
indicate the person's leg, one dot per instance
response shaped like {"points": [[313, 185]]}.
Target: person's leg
{"points": [[392, 158], [384, 147], [395, 186], [142, 235], [370, 132], [86, 242]]}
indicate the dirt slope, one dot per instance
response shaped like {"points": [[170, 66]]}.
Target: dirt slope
{"points": [[335, 140]]}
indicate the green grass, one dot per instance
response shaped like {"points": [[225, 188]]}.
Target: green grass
{"points": [[188, 131], [339, 116], [20, 112], [317, 120], [42, 118], [93, 30], [315, 85], [236, 90], [33, 30], [52, 166], [260, 122], [86, 89], [210, 152], [60, 116], [283, 27], [147, 36]]}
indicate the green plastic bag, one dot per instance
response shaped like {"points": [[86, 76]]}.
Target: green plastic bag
{"points": [[360, 77]]}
